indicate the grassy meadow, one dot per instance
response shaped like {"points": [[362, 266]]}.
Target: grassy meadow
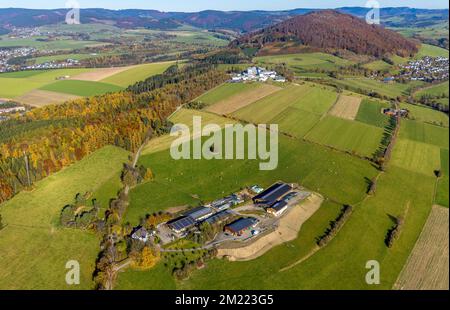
{"points": [[300, 63], [137, 73], [33, 247], [345, 135], [16, 84]]}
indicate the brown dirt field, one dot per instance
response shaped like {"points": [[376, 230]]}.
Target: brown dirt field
{"points": [[427, 267], [40, 98], [288, 229], [243, 99], [346, 107], [99, 74]]}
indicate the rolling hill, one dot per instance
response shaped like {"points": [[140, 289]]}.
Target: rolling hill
{"points": [[332, 30], [240, 21]]}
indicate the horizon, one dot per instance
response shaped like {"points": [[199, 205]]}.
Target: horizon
{"points": [[229, 5]]}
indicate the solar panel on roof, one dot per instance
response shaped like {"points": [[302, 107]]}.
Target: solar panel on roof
{"points": [[273, 193], [182, 223]]}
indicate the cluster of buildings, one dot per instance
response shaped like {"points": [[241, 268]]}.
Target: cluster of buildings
{"points": [[7, 108], [427, 69], [52, 65], [257, 74], [215, 212], [22, 33], [395, 112], [274, 200], [6, 54]]}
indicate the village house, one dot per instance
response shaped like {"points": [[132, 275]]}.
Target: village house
{"points": [[141, 234]]}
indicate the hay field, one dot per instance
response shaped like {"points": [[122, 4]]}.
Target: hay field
{"points": [[39, 98], [427, 267], [243, 99], [346, 107]]}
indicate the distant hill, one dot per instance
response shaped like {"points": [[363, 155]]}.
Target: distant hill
{"points": [[246, 21], [332, 30]]}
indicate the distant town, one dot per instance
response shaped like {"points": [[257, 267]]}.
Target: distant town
{"points": [[427, 69]]}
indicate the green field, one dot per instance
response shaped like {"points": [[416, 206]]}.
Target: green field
{"points": [[370, 113], [392, 90], [426, 114], [433, 51], [435, 90], [182, 182], [426, 133], [345, 135], [33, 247], [295, 122], [47, 45], [138, 73], [18, 83], [225, 91], [416, 156], [377, 65], [300, 63], [316, 100], [81, 88], [442, 192]]}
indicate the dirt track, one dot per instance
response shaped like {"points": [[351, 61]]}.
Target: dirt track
{"points": [[288, 229], [239, 101]]}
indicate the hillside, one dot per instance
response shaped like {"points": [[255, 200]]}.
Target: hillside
{"points": [[332, 30]]}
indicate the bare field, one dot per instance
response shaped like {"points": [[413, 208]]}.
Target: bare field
{"points": [[100, 74], [243, 99], [427, 267], [39, 98], [346, 107], [287, 230]]}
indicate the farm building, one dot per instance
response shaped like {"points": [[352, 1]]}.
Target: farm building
{"points": [[199, 213], [394, 112], [277, 208], [272, 194], [181, 224], [141, 234], [219, 217], [238, 227]]}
